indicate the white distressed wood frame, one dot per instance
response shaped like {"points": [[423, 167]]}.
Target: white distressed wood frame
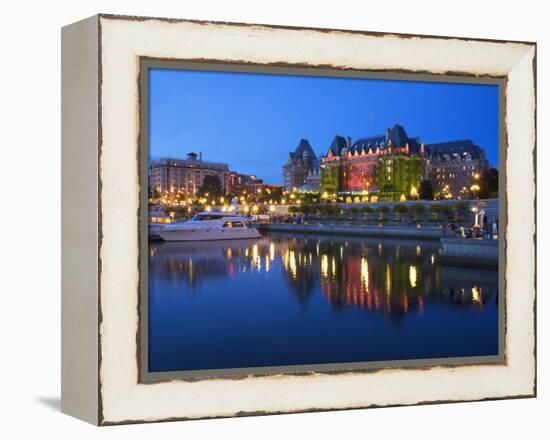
{"points": [[100, 222]]}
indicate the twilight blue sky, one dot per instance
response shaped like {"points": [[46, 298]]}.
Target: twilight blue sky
{"points": [[251, 121]]}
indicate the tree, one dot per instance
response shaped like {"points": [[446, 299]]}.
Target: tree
{"points": [[425, 190], [418, 209], [443, 212], [366, 210], [382, 210], [439, 211], [294, 209], [211, 187], [460, 210], [155, 194], [488, 183], [399, 210], [329, 210]]}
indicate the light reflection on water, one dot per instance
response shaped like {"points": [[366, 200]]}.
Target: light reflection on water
{"points": [[291, 300]]}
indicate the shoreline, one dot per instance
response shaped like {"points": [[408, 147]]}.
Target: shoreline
{"points": [[408, 232], [454, 251]]}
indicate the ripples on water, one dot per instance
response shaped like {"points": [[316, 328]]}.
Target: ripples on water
{"points": [[295, 300]]}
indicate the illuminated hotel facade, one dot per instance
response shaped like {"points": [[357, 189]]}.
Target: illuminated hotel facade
{"points": [[390, 167]]}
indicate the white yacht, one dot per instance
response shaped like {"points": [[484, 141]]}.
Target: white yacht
{"points": [[158, 219], [209, 226]]}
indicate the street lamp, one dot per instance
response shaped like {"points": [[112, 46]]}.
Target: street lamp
{"points": [[476, 215]]}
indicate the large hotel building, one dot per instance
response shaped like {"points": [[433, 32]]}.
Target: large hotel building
{"points": [[185, 176], [168, 176], [388, 167]]}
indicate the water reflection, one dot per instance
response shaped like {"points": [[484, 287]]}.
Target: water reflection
{"points": [[376, 275], [264, 302]]}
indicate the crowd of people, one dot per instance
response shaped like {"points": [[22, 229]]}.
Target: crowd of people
{"points": [[486, 230]]}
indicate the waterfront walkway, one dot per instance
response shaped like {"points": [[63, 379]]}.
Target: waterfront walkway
{"points": [[339, 228], [454, 250]]}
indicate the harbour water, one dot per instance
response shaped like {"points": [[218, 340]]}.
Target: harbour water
{"points": [[287, 300]]}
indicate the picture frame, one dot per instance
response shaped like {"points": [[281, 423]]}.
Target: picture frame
{"points": [[103, 213]]}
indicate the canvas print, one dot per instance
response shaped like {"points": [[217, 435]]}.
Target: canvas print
{"points": [[302, 222]]}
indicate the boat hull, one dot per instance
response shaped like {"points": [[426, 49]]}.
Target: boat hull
{"points": [[207, 234]]}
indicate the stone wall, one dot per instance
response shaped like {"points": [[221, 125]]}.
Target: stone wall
{"points": [[408, 232], [469, 252]]}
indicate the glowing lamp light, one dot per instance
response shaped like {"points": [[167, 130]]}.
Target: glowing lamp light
{"points": [[413, 276]]}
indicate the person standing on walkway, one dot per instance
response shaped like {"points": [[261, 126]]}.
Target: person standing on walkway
{"points": [[485, 227]]}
